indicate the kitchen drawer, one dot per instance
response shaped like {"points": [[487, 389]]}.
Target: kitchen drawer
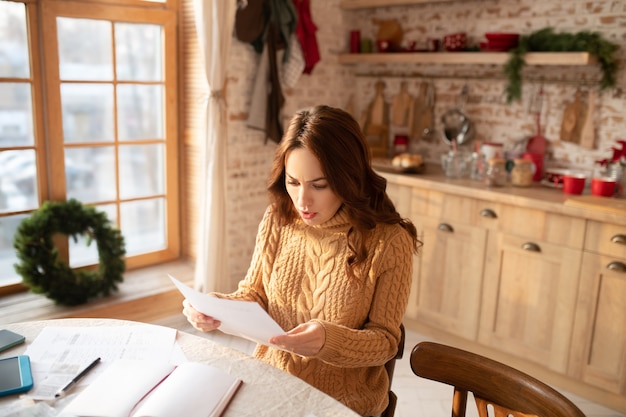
{"points": [[536, 224], [606, 239], [450, 207]]}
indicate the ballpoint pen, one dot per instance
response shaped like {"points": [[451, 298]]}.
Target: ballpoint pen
{"points": [[77, 378]]}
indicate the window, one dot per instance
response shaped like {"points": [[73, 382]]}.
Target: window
{"points": [[103, 129]]}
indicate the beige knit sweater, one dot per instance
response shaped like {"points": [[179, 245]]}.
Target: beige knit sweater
{"points": [[298, 274]]}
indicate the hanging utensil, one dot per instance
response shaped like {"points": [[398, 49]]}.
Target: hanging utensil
{"points": [[537, 143], [457, 126], [587, 131]]}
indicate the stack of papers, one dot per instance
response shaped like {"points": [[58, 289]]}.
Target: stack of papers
{"points": [[58, 354]]}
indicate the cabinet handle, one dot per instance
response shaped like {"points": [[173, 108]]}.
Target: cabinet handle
{"points": [[488, 213], [616, 266], [445, 227], [619, 239], [530, 246]]}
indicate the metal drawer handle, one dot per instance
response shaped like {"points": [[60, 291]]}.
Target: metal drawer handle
{"points": [[619, 239], [488, 213], [532, 247], [616, 266], [445, 227]]}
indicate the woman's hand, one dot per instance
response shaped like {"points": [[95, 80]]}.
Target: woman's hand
{"points": [[305, 339], [199, 320]]}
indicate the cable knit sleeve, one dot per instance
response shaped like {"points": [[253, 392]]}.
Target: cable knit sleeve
{"points": [[377, 341], [251, 288]]}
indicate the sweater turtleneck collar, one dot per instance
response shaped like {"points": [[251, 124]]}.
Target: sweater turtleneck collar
{"points": [[339, 222]]}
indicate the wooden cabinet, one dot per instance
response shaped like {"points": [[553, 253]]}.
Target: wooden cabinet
{"points": [[529, 299], [599, 342], [448, 277], [530, 285], [521, 276], [448, 272]]}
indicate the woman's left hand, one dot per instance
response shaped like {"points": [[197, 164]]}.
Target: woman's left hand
{"points": [[305, 339]]}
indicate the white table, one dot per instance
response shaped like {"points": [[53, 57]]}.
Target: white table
{"points": [[267, 391]]}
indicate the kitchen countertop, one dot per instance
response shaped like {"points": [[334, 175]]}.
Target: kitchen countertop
{"points": [[537, 196]]}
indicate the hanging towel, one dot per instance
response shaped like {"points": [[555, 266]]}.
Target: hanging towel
{"points": [[305, 30]]}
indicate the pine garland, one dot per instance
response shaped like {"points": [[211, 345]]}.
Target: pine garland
{"points": [[40, 266], [545, 40]]}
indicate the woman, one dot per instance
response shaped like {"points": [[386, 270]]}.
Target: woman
{"points": [[332, 263]]}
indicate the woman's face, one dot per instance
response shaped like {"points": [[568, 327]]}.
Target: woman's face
{"points": [[308, 188]]}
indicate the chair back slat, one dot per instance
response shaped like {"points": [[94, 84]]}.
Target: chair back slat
{"points": [[492, 381]]}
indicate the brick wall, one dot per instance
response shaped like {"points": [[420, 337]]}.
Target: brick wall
{"points": [[249, 158]]}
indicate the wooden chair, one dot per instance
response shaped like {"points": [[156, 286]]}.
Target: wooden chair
{"points": [[509, 391], [390, 366]]}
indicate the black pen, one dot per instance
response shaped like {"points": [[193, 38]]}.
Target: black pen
{"points": [[77, 378]]}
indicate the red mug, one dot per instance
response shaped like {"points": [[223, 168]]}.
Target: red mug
{"points": [[603, 186], [574, 183]]}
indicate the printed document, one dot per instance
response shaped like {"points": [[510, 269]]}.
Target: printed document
{"points": [[240, 318]]}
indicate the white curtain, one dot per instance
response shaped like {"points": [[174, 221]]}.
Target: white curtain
{"points": [[214, 23]]}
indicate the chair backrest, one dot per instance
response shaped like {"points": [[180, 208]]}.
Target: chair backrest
{"points": [[390, 366], [509, 391]]}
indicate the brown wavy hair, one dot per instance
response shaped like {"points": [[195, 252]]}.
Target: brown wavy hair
{"points": [[337, 141]]}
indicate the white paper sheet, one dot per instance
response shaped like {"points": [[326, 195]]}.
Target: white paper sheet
{"points": [[240, 318], [59, 353]]}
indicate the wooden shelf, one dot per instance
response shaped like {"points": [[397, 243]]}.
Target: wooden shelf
{"points": [[497, 58], [365, 4]]}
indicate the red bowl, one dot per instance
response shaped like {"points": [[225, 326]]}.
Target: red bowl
{"points": [[487, 47], [502, 37]]}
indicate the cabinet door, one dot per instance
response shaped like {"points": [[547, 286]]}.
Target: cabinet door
{"points": [[529, 299], [599, 344], [448, 277]]}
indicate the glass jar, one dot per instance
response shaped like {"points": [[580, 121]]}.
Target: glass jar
{"points": [[522, 173], [477, 166], [495, 176]]}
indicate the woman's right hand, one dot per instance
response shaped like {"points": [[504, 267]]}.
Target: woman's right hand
{"points": [[199, 320]]}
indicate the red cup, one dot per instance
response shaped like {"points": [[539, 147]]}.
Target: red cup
{"points": [[574, 183], [603, 186], [383, 45]]}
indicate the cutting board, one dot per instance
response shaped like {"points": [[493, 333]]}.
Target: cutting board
{"points": [[607, 204]]}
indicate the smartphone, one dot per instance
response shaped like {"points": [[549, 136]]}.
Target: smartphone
{"points": [[15, 375], [8, 339]]}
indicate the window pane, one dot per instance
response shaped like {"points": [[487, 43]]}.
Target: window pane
{"points": [[85, 49], [87, 112], [80, 253], [18, 180], [16, 115], [90, 174], [143, 225], [8, 255], [140, 111], [142, 168], [139, 52], [14, 45]]}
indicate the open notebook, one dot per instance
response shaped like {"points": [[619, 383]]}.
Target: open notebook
{"points": [[142, 388]]}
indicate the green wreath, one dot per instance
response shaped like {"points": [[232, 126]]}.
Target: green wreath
{"points": [[40, 266]]}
